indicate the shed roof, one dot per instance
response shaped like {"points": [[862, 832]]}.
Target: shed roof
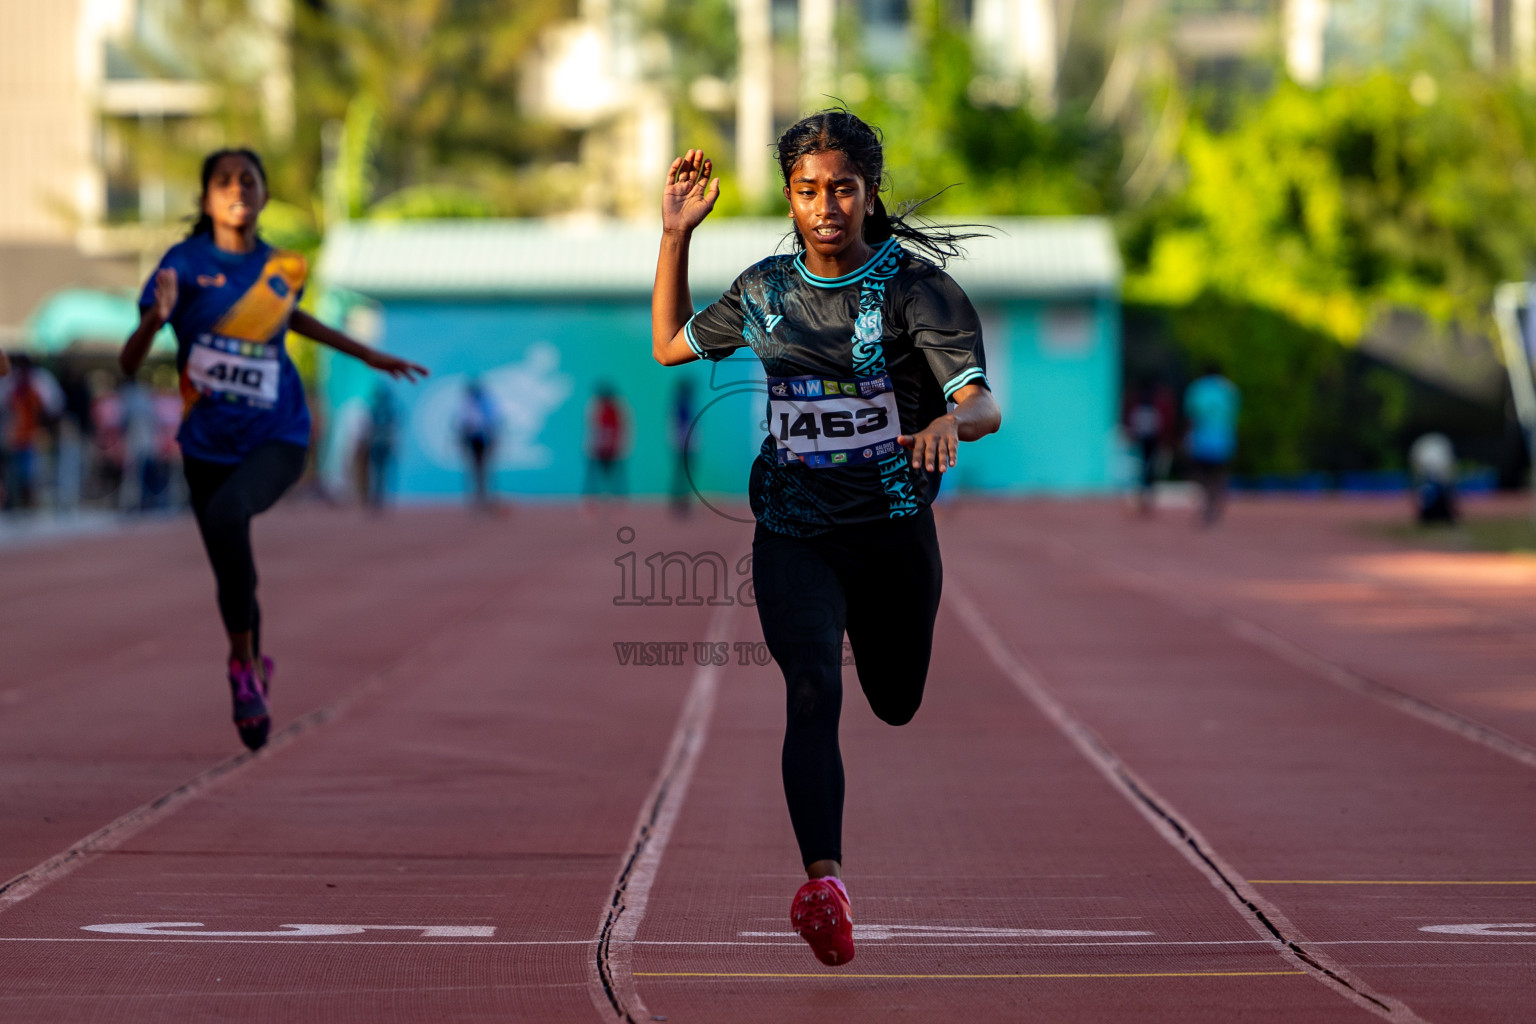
{"points": [[86, 316], [1046, 256]]}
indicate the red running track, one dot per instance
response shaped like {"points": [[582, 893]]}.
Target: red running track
{"points": [[1279, 771]]}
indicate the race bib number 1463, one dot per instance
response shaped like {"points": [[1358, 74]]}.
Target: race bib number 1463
{"points": [[825, 423]]}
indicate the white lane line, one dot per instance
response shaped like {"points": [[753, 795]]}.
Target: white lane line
{"points": [[610, 974], [1297, 656], [1261, 915], [32, 881], [797, 944], [112, 835]]}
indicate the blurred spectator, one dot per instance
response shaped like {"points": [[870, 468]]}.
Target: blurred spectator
{"points": [[380, 442], [1433, 461], [167, 485], [5, 363], [30, 402], [74, 436], [479, 426], [682, 440], [606, 435], [1148, 416], [1211, 405], [136, 411]]}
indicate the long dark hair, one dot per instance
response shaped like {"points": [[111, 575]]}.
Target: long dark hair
{"points": [[204, 223], [839, 130]]}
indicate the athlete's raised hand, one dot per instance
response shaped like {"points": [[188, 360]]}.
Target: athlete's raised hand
{"points": [[690, 193], [165, 294], [151, 318]]}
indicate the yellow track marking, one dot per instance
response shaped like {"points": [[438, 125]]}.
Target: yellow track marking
{"points": [[968, 977]]}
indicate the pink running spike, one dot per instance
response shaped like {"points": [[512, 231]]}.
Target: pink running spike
{"points": [[252, 719], [822, 916]]}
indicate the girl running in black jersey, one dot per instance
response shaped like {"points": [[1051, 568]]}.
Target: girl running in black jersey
{"points": [[231, 299], [865, 345]]}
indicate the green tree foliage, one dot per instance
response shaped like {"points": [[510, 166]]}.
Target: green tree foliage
{"points": [[442, 77], [1286, 234], [426, 91], [1408, 190], [1309, 403], [700, 41], [942, 131]]}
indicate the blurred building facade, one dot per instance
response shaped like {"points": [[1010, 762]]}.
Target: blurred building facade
{"points": [[605, 71], [541, 314], [81, 82]]}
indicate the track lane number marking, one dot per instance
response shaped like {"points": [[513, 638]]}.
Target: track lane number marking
{"points": [[876, 932], [1510, 930], [195, 929]]}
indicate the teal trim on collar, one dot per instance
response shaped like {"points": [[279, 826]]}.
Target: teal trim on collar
{"points": [[849, 278]]}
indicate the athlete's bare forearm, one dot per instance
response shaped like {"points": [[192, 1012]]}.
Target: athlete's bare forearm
{"points": [[976, 413], [687, 199], [937, 446], [400, 369], [136, 348], [671, 303], [305, 324]]}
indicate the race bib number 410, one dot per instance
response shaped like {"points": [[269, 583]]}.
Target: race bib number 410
{"points": [[824, 423], [241, 370]]}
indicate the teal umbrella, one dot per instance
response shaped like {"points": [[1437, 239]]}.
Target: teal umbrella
{"points": [[84, 316]]}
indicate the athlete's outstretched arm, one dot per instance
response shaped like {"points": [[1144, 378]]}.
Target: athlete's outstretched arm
{"points": [[302, 323], [151, 319], [937, 446], [685, 202]]}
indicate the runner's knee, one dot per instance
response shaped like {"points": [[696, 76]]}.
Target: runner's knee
{"points": [[814, 693], [895, 693], [897, 712], [225, 520]]}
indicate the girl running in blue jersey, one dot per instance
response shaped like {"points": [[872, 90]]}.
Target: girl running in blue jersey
{"points": [[231, 299], [875, 374]]}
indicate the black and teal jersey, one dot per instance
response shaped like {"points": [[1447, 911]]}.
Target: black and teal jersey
{"points": [[897, 324]]}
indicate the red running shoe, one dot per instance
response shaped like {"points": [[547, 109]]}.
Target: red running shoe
{"points": [[822, 917]]}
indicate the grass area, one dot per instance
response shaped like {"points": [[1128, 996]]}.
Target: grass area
{"points": [[1507, 533]]}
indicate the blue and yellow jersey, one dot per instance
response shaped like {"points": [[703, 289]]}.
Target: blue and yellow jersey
{"points": [[239, 387]]}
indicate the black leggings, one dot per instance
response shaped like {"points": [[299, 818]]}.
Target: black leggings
{"points": [[880, 583], [224, 498]]}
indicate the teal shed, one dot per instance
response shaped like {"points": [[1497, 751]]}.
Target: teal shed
{"points": [[542, 313]]}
